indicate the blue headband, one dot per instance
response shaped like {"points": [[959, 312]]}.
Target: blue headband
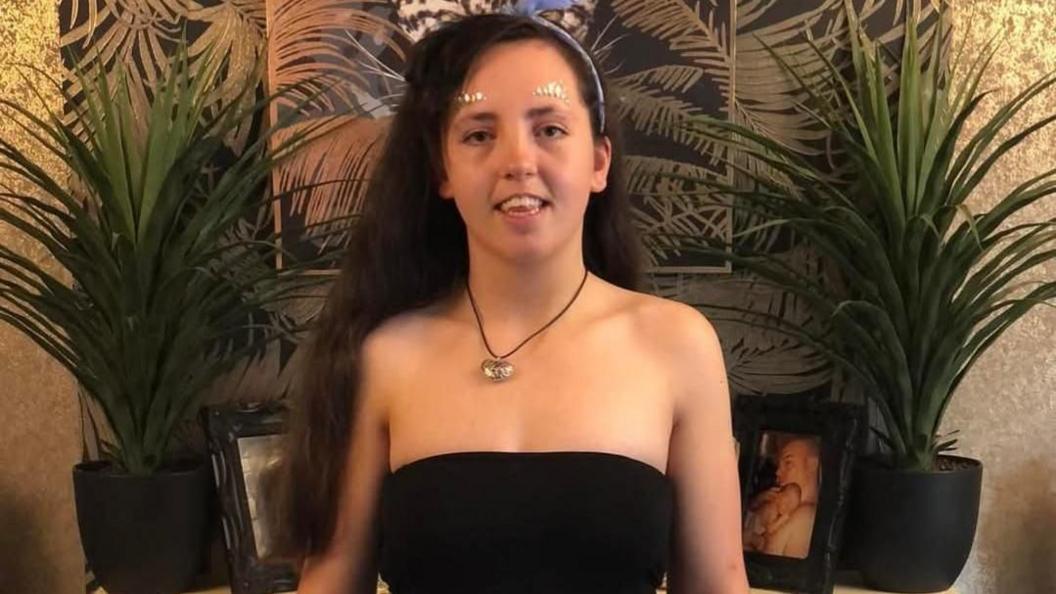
{"points": [[531, 9]]}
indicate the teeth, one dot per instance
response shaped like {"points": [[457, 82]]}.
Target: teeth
{"points": [[521, 202]]}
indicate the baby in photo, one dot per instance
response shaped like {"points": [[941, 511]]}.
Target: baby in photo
{"points": [[769, 512]]}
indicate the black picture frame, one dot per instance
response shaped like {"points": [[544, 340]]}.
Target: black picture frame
{"points": [[833, 428], [243, 440]]}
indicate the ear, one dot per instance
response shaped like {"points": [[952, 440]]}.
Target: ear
{"points": [[813, 463], [443, 185], [602, 160], [444, 188]]}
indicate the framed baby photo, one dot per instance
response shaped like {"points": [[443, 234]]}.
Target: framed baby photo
{"points": [[795, 458], [244, 442]]}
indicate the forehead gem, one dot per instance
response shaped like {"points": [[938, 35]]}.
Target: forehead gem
{"points": [[469, 98], [552, 89]]}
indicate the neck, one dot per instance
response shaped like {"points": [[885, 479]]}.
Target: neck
{"points": [[810, 493], [514, 301]]}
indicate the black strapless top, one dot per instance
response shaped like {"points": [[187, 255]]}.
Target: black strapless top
{"points": [[564, 522]]}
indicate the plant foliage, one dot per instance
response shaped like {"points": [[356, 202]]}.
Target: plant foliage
{"points": [[168, 285], [927, 285]]}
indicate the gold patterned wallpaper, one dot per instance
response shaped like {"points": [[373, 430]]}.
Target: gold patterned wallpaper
{"points": [[39, 441], [1005, 410]]}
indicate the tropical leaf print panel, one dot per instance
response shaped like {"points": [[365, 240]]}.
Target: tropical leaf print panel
{"points": [[670, 60]]}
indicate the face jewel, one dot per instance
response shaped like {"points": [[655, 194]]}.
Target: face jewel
{"points": [[552, 89], [469, 98]]}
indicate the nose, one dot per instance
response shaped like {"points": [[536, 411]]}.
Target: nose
{"points": [[518, 156]]}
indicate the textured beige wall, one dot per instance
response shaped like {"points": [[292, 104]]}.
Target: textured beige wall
{"points": [[1006, 409], [39, 436]]}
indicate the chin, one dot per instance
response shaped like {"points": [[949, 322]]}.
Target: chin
{"points": [[529, 257]]}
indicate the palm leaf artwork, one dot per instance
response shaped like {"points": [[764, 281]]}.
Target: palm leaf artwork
{"points": [[170, 265], [693, 78], [759, 361], [718, 65], [926, 285], [765, 100], [325, 182], [143, 34], [349, 49]]}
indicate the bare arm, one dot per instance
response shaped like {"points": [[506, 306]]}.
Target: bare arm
{"points": [[349, 566], [706, 556]]}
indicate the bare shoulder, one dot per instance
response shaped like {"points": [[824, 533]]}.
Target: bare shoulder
{"points": [[386, 350], [679, 330], [403, 340], [393, 334], [687, 344], [403, 331]]}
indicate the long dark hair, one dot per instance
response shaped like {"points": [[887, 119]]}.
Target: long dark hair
{"points": [[409, 251]]}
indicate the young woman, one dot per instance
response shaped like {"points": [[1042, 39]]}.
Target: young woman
{"points": [[489, 405]]}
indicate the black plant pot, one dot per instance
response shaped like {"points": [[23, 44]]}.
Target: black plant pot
{"points": [[911, 531], [143, 534]]}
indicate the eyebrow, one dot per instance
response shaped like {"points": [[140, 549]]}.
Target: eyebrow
{"points": [[535, 112]]}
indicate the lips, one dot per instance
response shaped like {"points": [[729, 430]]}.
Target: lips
{"points": [[545, 202]]}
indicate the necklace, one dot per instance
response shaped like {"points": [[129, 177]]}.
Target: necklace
{"points": [[497, 368]]}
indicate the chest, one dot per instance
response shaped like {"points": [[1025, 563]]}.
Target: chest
{"points": [[603, 388]]}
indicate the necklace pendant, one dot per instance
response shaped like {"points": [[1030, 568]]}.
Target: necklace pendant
{"points": [[496, 370]]}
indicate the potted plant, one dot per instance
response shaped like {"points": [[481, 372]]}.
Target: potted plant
{"points": [[925, 285], [172, 284]]}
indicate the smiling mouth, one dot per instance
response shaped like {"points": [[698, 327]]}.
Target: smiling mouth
{"points": [[522, 204]]}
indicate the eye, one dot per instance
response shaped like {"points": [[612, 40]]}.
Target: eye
{"points": [[476, 137], [553, 131]]}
